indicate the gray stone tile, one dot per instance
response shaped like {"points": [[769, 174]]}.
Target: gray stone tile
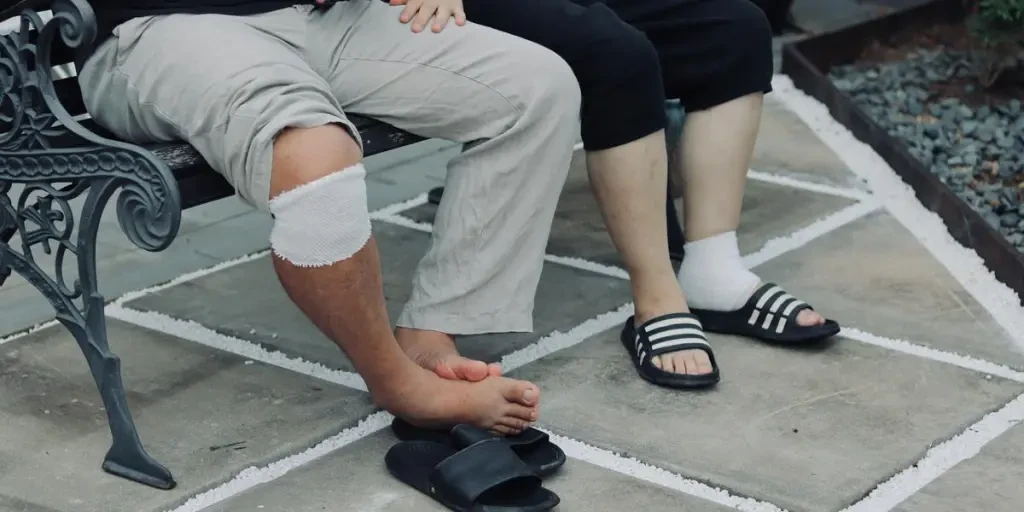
{"points": [[232, 238], [817, 16], [407, 173], [192, 219], [989, 481], [808, 430], [247, 301], [579, 229], [23, 306], [786, 146], [48, 262], [355, 478], [187, 400], [874, 275], [412, 157]]}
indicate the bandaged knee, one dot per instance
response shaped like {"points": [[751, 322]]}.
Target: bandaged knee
{"points": [[322, 222]]}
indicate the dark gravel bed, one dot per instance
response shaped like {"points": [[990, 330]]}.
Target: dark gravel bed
{"points": [[975, 149]]}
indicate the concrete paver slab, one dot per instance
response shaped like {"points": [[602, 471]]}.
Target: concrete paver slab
{"points": [[187, 399], [786, 146], [247, 301], [22, 306], [990, 481], [578, 229], [354, 478], [808, 430], [872, 274]]}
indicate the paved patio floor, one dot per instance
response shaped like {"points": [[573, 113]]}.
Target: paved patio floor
{"points": [[916, 407]]}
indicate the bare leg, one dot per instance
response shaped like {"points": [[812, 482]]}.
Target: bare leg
{"points": [[629, 184], [345, 300], [716, 149]]}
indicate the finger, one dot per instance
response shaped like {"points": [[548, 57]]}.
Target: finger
{"points": [[423, 17], [441, 18], [460, 16], [411, 7]]}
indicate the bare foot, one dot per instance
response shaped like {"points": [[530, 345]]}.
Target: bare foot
{"points": [[501, 405], [436, 351]]}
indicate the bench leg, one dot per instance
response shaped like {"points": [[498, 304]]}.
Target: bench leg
{"points": [[675, 230], [44, 219], [6, 233], [673, 137], [434, 196]]}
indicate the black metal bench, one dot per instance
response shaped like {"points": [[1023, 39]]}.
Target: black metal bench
{"points": [[48, 146]]}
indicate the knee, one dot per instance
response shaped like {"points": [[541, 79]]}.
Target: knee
{"points": [[623, 55], [620, 76], [750, 37], [304, 155], [293, 126], [323, 221], [550, 85]]}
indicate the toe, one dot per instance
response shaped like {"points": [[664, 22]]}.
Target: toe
{"points": [[494, 370], [678, 364], [669, 363], [520, 392], [703, 362], [691, 362], [809, 317], [515, 425], [522, 412]]}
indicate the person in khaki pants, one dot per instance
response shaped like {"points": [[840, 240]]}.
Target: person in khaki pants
{"points": [[261, 88]]}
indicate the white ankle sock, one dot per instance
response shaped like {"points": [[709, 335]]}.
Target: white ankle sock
{"points": [[713, 275]]}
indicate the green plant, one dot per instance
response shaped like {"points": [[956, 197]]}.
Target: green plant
{"points": [[997, 27]]}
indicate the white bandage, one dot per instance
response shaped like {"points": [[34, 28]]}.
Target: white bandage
{"points": [[322, 222]]}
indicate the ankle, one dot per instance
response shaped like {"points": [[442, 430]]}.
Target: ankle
{"points": [[648, 306], [714, 276], [395, 387], [418, 342]]}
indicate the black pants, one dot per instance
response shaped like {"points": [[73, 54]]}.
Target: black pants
{"points": [[628, 55]]}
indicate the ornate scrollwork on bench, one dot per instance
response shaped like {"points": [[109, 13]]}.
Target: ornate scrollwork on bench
{"points": [[58, 159]]}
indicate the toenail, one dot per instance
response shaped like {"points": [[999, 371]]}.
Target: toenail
{"points": [[529, 395]]}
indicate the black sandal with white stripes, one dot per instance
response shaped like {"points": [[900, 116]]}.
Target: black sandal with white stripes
{"points": [[662, 335], [770, 316]]}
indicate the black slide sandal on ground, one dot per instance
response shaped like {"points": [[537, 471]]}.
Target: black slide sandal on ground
{"points": [[770, 316], [662, 335], [485, 477], [532, 446]]}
